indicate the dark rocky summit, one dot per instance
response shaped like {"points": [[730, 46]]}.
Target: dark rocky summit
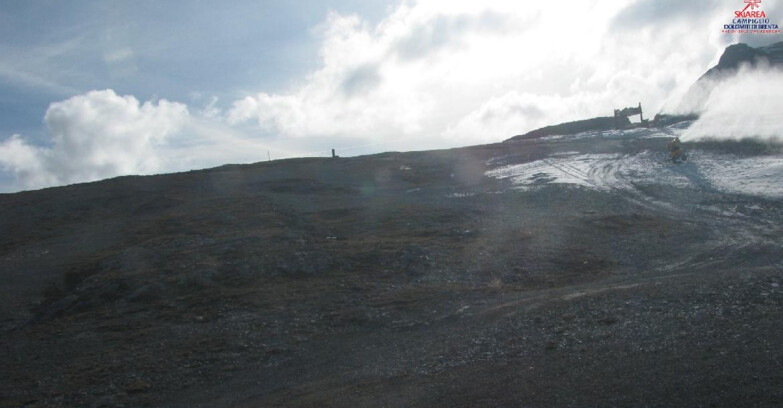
{"points": [[733, 59], [738, 54]]}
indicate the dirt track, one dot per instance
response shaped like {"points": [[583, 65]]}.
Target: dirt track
{"points": [[573, 271]]}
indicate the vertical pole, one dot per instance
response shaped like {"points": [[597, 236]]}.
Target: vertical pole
{"points": [[641, 117], [333, 155]]}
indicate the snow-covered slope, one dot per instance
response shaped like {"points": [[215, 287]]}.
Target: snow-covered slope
{"points": [[722, 171]]}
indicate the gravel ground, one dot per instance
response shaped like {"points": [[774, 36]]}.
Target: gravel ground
{"points": [[561, 271]]}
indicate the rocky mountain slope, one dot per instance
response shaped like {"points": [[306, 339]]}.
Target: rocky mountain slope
{"points": [[738, 54], [551, 272], [578, 270], [733, 59]]}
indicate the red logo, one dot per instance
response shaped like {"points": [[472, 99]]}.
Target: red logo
{"points": [[752, 13], [751, 21], [753, 4]]}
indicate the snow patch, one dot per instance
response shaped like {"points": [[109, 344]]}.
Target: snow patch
{"points": [[760, 176]]}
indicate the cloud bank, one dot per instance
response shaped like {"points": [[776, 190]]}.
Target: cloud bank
{"points": [[93, 136], [101, 134], [451, 73], [747, 105]]}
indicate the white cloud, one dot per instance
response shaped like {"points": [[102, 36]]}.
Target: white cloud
{"points": [[445, 73], [749, 105], [26, 162], [206, 141], [101, 134], [94, 136]]}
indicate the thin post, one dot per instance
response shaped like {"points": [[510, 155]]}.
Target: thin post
{"points": [[641, 117]]}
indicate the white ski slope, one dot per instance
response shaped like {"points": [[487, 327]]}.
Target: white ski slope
{"points": [[728, 173]]}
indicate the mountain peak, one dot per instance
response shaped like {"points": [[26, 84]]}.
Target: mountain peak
{"points": [[737, 54], [734, 56]]}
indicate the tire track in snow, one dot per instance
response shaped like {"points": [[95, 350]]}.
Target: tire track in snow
{"points": [[623, 175]]}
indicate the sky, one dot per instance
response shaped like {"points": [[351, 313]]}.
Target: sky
{"points": [[97, 89]]}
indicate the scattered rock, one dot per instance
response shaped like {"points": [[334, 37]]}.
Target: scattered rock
{"points": [[137, 386]]}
